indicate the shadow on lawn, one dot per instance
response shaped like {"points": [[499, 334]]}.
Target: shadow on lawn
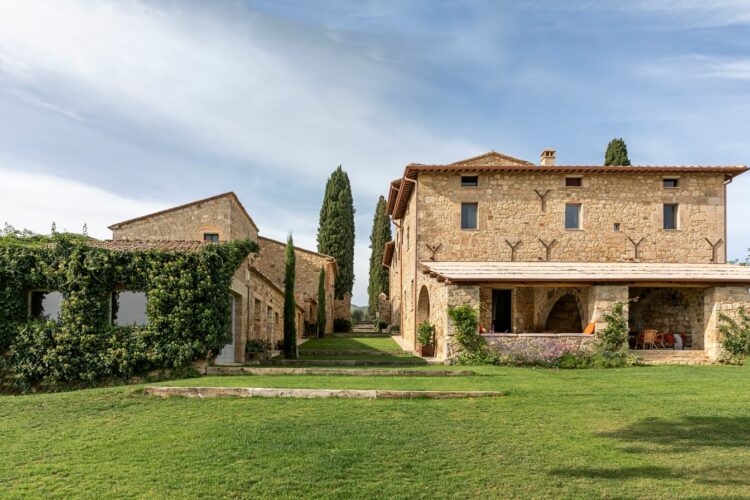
{"points": [[687, 434], [727, 476]]}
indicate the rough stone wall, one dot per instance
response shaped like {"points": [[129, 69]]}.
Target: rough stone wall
{"points": [[674, 310], [411, 279], [510, 209], [342, 308], [218, 215], [523, 309], [240, 288], [271, 261], [727, 300], [539, 346], [269, 296], [394, 291], [601, 299]]}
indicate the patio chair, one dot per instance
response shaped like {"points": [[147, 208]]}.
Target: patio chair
{"points": [[651, 338]]}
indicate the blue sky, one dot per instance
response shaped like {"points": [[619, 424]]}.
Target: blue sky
{"points": [[109, 110]]}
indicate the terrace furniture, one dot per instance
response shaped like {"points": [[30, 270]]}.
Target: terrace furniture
{"points": [[650, 339]]}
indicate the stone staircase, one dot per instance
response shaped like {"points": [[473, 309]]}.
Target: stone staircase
{"points": [[670, 357], [364, 328]]}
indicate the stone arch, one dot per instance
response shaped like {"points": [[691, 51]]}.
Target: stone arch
{"points": [[423, 305], [564, 316], [546, 299]]}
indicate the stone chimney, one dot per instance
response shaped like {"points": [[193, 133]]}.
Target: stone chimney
{"points": [[548, 158]]}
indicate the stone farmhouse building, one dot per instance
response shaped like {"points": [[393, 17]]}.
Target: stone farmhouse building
{"points": [[257, 287], [541, 251]]}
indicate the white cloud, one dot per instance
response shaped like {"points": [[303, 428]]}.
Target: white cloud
{"points": [[33, 201], [698, 66], [253, 87]]}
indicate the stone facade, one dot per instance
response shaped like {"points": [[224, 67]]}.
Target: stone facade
{"points": [[342, 308], [521, 217], [257, 285], [271, 261]]}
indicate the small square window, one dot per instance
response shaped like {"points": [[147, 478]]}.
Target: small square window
{"points": [[469, 215], [46, 305], [616, 227], [671, 183], [213, 237], [573, 182], [469, 180], [670, 215], [129, 308], [572, 216]]}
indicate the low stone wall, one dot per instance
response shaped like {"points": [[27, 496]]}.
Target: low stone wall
{"points": [[539, 346]]}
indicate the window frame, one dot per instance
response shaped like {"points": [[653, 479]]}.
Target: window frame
{"points": [[474, 185], [476, 215], [209, 237], [675, 217], [577, 178], [579, 217], [676, 181]]}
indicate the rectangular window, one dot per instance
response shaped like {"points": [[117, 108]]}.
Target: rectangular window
{"points": [[469, 180], [46, 305], [213, 237], [572, 216], [616, 227], [671, 183], [573, 182], [269, 323], [670, 215], [129, 308], [469, 215]]}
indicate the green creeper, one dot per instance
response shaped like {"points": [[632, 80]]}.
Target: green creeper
{"points": [[617, 153], [322, 304], [290, 307], [381, 234], [336, 229]]}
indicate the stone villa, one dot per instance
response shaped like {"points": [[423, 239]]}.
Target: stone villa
{"points": [[542, 250], [258, 284]]}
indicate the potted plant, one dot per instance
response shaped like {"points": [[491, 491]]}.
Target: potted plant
{"points": [[426, 339]]}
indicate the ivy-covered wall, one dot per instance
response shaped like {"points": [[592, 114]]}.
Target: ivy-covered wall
{"points": [[187, 307]]}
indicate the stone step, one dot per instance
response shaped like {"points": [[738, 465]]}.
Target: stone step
{"points": [[351, 352], [343, 362], [273, 392], [357, 372], [669, 357]]}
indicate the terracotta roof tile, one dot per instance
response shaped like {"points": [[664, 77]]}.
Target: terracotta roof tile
{"points": [[141, 245]]}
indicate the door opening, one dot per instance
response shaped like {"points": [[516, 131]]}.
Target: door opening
{"points": [[501, 311]]}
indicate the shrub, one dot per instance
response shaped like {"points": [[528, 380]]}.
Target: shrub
{"points": [[342, 326], [466, 334], [426, 334], [611, 345], [321, 313], [735, 337], [382, 326], [257, 349]]}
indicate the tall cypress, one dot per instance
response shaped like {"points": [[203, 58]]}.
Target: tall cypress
{"points": [[336, 229], [381, 234], [322, 320], [617, 153], [290, 307]]}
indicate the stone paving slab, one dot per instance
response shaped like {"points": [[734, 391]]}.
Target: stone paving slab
{"points": [[262, 392], [351, 352], [248, 370]]}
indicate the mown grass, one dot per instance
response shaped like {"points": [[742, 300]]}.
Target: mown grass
{"points": [[654, 432], [350, 344]]}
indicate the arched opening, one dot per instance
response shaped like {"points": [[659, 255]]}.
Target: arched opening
{"points": [[564, 317], [423, 305]]}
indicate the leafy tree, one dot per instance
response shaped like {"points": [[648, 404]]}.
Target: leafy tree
{"points": [[617, 153], [290, 307], [336, 229], [358, 315], [322, 320], [381, 234]]}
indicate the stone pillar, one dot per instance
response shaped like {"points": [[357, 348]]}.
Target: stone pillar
{"points": [[457, 295], [602, 298], [384, 309], [717, 300]]}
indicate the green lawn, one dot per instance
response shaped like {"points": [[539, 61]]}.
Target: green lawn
{"points": [[350, 344], [666, 431]]}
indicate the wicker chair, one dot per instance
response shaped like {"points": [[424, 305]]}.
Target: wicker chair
{"points": [[650, 340]]}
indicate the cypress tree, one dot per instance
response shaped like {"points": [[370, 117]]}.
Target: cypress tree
{"points": [[290, 306], [381, 234], [617, 153], [336, 229], [322, 304]]}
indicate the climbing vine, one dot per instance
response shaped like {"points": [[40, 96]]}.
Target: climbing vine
{"points": [[188, 309]]}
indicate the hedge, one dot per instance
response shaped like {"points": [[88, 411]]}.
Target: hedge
{"points": [[188, 309]]}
